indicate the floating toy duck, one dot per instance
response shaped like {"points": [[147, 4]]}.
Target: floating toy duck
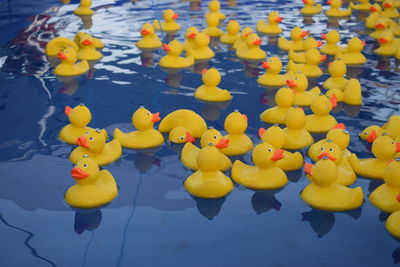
{"points": [[381, 26], [310, 9], [324, 193], [145, 136], [351, 55], [393, 224], [84, 8], [284, 99], [241, 42], [275, 136], [212, 22], [59, 44], [271, 77], [337, 69], [93, 187], [298, 82], [385, 196], [96, 41], [265, 175], [310, 68], [93, 143], [189, 125], [68, 65], [272, 27], [149, 39], [321, 121], [350, 95], [214, 8], [209, 90], [331, 38], [363, 5], [253, 50], [189, 43], [384, 150], [201, 51], [389, 10], [297, 136], [370, 133], [392, 126], [213, 137], [169, 24], [335, 11], [87, 50], [388, 45], [239, 143], [297, 35], [232, 33], [173, 59], [300, 57], [376, 11]]}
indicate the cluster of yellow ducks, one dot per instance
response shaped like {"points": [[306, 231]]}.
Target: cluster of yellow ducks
{"points": [[335, 168]]}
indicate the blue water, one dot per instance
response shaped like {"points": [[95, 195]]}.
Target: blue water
{"points": [[154, 221]]}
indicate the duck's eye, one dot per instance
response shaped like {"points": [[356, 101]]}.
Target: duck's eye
{"points": [[215, 137], [182, 137], [270, 61], [392, 142], [87, 133], [366, 133], [322, 149], [91, 139], [85, 165], [98, 130], [331, 149], [269, 149], [148, 113], [295, 78]]}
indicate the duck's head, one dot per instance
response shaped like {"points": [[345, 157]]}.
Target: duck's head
{"points": [[334, 3], [284, 97], [297, 81], [235, 123], [94, 139], [386, 38], [147, 30], [375, 8], [86, 3], [174, 48], [314, 57], [308, 2], [295, 118], [355, 45], [211, 77], [274, 18], [68, 55], [143, 119], [323, 173], [384, 148], [330, 150], [233, 27], [391, 174], [388, 5], [274, 136], [297, 34], [381, 23], [86, 41], [273, 65], [214, 6], [245, 32], [79, 116], [370, 133], [253, 40], [170, 15], [191, 32], [202, 40], [85, 171], [322, 105], [340, 136], [337, 68], [265, 155], [310, 43], [212, 20], [209, 159], [180, 135], [332, 37], [214, 137]]}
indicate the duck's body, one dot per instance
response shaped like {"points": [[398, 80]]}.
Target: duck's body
{"points": [[188, 119], [388, 45], [68, 65], [169, 24], [300, 57], [252, 50], [331, 47], [58, 44], [232, 33], [310, 68], [297, 35], [393, 224], [296, 134], [310, 9], [271, 77], [363, 5], [209, 90], [149, 40], [321, 121], [201, 50], [173, 60], [337, 69], [298, 82], [84, 8], [335, 11], [87, 50], [351, 55], [284, 99], [272, 27], [392, 126], [212, 21]]}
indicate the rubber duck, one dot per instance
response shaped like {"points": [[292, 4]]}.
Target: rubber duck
{"points": [[310, 9], [208, 181], [214, 7], [337, 69], [87, 50], [271, 77], [209, 90], [335, 11], [272, 27], [376, 11], [79, 117], [265, 175], [213, 137], [331, 38], [297, 136], [145, 136], [191, 33], [300, 57], [324, 193], [298, 82], [351, 55], [389, 10], [351, 93], [393, 224], [169, 23], [96, 41], [310, 68], [232, 33], [173, 59], [239, 143], [321, 121], [381, 26], [392, 126], [93, 187], [253, 50], [84, 8], [388, 45], [68, 65], [149, 39], [384, 197], [93, 143], [363, 5], [212, 22], [297, 35], [384, 150], [58, 44], [275, 136], [397, 55], [284, 99], [189, 125], [241, 42], [201, 50]]}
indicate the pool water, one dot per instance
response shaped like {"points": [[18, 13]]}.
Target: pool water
{"points": [[154, 221]]}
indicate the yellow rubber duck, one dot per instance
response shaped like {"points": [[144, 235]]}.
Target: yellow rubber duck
{"points": [[265, 175], [241, 42], [351, 93], [149, 39], [145, 136], [172, 59], [300, 57], [381, 26], [93, 143], [397, 55], [271, 77], [389, 10], [232, 33], [393, 224], [94, 188], [324, 193], [311, 67], [213, 137], [275, 136], [297, 35], [169, 24], [363, 5], [201, 50], [84, 8], [384, 150], [214, 7], [370, 133], [297, 136], [284, 99], [253, 50], [183, 125], [189, 43], [310, 9], [376, 11], [384, 197], [209, 90], [212, 22], [351, 54], [68, 65], [96, 41], [335, 11], [388, 45], [299, 83], [272, 27], [337, 69], [208, 181], [321, 121], [87, 50], [58, 44], [331, 38], [392, 126]]}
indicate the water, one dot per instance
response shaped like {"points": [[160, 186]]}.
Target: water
{"points": [[154, 221]]}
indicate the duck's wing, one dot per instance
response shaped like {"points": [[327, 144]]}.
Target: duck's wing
{"points": [[189, 156]]}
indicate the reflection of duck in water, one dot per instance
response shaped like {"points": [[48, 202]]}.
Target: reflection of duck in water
{"points": [[145, 161], [87, 219], [321, 222], [209, 208], [264, 201]]}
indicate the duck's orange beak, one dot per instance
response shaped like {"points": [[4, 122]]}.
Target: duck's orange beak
{"points": [[373, 9], [305, 2], [398, 197], [261, 132], [397, 147], [82, 141], [380, 26], [156, 117], [328, 2], [307, 168], [247, 34], [203, 71], [326, 154], [387, 5], [87, 42], [257, 42], [278, 19], [189, 138], [62, 56], [78, 173], [223, 143], [245, 117], [323, 36], [323, 58], [319, 43], [144, 32], [67, 110], [166, 47], [333, 100], [304, 34], [175, 16], [340, 126], [277, 155], [363, 43], [265, 65], [383, 40], [291, 83], [371, 137], [192, 35]]}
